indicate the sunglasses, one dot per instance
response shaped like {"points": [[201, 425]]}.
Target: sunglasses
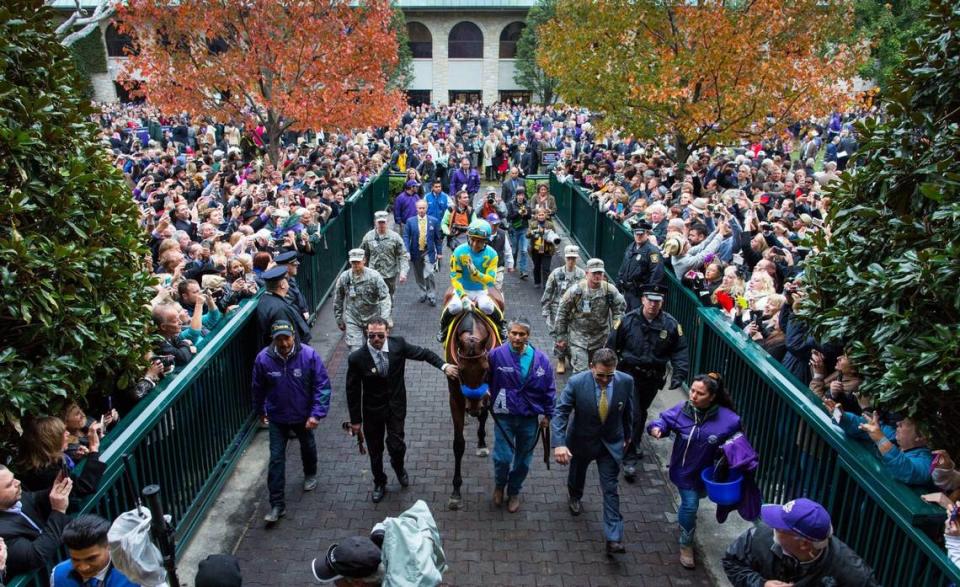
{"points": [[376, 335]]}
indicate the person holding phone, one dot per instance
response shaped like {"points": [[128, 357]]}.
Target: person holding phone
{"points": [[43, 459], [31, 522]]}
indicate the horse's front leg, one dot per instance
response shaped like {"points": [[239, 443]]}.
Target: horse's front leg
{"points": [[458, 413], [482, 450]]}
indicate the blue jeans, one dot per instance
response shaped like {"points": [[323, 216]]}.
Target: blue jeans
{"points": [[687, 514], [518, 242], [276, 473], [510, 467]]}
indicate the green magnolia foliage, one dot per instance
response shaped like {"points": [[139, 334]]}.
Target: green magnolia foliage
{"points": [[73, 315], [888, 280]]}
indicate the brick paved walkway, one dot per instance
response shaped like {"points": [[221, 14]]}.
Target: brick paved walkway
{"points": [[540, 545]]}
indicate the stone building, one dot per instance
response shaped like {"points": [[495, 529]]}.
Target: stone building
{"points": [[463, 50]]}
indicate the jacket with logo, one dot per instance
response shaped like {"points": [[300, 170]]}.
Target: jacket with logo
{"points": [[700, 436], [291, 390]]}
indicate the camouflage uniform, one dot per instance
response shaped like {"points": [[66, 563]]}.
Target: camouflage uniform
{"points": [[386, 254], [558, 283], [357, 300], [584, 319]]}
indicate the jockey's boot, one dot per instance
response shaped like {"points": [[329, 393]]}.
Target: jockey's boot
{"points": [[445, 318], [501, 323]]}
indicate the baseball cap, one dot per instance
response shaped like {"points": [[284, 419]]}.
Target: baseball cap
{"points": [[281, 327], [803, 517], [411, 183], [356, 557]]}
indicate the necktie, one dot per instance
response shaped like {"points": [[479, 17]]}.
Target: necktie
{"points": [[381, 364], [423, 233], [92, 582], [603, 407]]}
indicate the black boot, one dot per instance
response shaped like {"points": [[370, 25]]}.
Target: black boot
{"points": [[445, 318]]}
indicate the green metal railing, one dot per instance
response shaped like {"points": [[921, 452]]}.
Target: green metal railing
{"points": [[189, 433], [802, 453]]}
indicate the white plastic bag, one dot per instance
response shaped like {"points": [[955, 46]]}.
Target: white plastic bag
{"points": [[132, 550]]}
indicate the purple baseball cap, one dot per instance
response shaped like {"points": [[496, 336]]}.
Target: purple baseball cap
{"points": [[803, 517]]}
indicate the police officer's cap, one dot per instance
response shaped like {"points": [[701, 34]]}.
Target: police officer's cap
{"points": [[654, 292], [286, 257], [642, 226], [275, 274], [356, 255]]}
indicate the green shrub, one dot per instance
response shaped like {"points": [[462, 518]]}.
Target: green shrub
{"points": [[73, 315], [886, 281]]}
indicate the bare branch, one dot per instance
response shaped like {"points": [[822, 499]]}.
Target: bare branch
{"points": [[68, 30]]}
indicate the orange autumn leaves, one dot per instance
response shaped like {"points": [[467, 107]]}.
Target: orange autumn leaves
{"points": [[702, 72], [289, 65]]}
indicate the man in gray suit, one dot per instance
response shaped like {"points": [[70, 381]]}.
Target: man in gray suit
{"points": [[603, 401]]}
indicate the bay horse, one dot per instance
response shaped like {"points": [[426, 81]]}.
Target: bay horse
{"points": [[472, 337]]}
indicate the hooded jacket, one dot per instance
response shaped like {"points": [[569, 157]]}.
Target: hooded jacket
{"points": [[700, 436], [533, 395]]}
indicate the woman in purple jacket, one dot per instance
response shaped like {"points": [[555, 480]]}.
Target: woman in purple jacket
{"points": [[702, 424]]}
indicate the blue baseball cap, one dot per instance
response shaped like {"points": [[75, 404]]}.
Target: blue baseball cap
{"points": [[803, 517]]}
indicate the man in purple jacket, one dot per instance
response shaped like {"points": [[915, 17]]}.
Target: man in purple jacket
{"points": [[522, 392], [291, 389], [465, 178], [405, 205]]}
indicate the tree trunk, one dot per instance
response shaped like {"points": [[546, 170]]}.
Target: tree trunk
{"points": [[683, 152]]}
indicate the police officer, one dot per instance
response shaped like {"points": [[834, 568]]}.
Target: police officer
{"points": [[385, 252], [291, 261], [586, 314], [646, 341], [560, 280], [273, 306], [360, 295], [642, 264]]}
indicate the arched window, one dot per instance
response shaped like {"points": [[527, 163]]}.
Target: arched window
{"points": [[465, 42], [420, 40], [509, 38], [117, 43]]}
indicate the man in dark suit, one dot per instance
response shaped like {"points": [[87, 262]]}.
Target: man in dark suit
{"points": [[377, 397], [509, 188], [423, 240], [31, 523], [603, 401]]}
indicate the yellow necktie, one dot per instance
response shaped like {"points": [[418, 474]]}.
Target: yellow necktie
{"points": [[603, 408], [423, 233]]}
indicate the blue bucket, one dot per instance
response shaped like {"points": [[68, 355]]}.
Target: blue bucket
{"points": [[726, 493]]}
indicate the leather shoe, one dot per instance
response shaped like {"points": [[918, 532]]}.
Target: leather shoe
{"points": [[275, 513], [513, 504], [629, 473], [498, 496], [378, 492], [403, 478], [615, 547], [576, 508]]}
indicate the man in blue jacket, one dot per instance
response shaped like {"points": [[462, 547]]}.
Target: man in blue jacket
{"points": [[291, 389], [89, 564], [424, 242], [522, 392], [603, 401]]}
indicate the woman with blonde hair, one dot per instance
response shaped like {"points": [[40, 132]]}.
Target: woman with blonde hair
{"points": [[43, 459], [731, 289]]}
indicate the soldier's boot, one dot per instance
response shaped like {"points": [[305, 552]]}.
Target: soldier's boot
{"points": [[445, 318]]}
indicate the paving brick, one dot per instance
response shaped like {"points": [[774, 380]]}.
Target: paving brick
{"points": [[540, 545]]}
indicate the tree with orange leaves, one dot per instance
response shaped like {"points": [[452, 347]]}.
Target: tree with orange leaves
{"points": [[703, 72], [283, 64]]}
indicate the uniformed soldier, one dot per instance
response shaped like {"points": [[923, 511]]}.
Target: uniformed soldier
{"points": [[646, 341], [560, 280], [291, 261], [360, 295], [587, 313], [273, 306], [385, 252], [642, 264]]}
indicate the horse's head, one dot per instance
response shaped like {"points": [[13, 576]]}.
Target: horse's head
{"points": [[474, 365]]}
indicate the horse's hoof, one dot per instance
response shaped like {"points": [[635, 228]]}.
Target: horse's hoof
{"points": [[454, 503], [483, 452]]}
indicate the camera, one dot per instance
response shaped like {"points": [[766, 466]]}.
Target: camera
{"points": [[552, 237], [490, 199], [165, 360]]}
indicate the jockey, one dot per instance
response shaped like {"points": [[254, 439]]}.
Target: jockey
{"points": [[473, 269]]}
